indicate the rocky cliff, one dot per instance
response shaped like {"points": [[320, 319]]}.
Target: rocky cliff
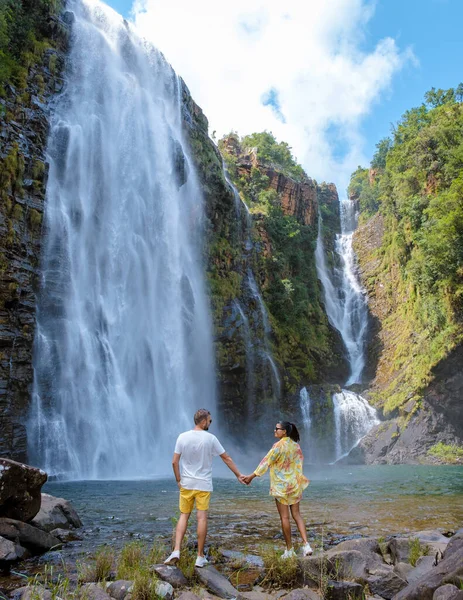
{"points": [[24, 107], [429, 415]]}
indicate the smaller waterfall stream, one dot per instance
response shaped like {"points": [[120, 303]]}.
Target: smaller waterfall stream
{"points": [[344, 298], [353, 418], [346, 308], [259, 351]]}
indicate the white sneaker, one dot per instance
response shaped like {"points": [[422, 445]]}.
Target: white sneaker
{"points": [[307, 550], [173, 558], [201, 561], [288, 554]]}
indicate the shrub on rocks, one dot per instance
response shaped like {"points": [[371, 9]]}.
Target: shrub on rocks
{"points": [[278, 572], [102, 567]]}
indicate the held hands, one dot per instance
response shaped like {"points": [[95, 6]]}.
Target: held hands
{"points": [[246, 479]]}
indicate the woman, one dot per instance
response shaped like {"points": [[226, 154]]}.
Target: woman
{"points": [[287, 481]]}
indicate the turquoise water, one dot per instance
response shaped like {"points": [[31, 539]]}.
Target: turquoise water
{"points": [[339, 502]]}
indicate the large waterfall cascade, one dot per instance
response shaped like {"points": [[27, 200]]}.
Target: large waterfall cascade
{"points": [[123, 349]]}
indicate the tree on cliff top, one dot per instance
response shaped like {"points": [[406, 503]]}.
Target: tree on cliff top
{"points": [[268, 151]]}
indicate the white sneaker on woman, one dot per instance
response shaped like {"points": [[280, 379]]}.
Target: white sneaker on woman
{"points": [[201, 561], [307, 550], [173, 558], [288, 554]]}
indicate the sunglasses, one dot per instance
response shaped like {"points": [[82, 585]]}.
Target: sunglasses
{"points": [[278, 429]]}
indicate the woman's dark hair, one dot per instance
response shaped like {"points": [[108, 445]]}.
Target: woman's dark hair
{"points": [[291, 430]]}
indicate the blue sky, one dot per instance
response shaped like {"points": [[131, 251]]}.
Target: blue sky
{"points": [[413, 45]]}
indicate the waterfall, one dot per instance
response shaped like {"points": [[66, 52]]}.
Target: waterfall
{"points": [[345, 302], [304, 399], [123, 349], [353, 418], [265, 353]]}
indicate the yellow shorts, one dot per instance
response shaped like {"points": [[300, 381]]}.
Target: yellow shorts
{"points": [[188, 497]]}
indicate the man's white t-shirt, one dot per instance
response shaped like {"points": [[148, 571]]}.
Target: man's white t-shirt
{"points": [[197, 449]]}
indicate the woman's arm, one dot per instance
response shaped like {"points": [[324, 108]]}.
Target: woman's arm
{"points": [[268, 459]]}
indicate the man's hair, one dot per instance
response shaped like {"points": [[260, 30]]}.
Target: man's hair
{"points": [[200, 415]]}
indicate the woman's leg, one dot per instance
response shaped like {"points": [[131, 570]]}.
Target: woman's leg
{"points": [[299, 521], [283, 511]]}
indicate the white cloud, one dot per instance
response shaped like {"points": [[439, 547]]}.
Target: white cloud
{"points": [[309, 52]]}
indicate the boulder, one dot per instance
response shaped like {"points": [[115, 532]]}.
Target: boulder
{"points": [[32, 593], [164, 590], [20, 487], [56, 513], [403, 569], [387, 585], [119, 589], [347, 564], [187, 596], [364, 545], [259, 595], [424, 565], [35, 540], [431, 540], [250, 559], [344, 590], [92, 591], [309, 568], [216, 583], [10, 552], [54, 557], [301, 594], [65, 535], [448, 592], [449, 569], [171, 574]]}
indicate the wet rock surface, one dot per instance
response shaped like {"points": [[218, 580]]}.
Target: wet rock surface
{"points": [[23, 174], [56, 513], [28, 536], [20, 490]]}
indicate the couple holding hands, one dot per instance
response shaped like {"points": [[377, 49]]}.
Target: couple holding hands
{"points": [[193, 474]]}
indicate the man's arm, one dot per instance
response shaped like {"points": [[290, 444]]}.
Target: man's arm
{"points": [[227, 459], [176, 468]]}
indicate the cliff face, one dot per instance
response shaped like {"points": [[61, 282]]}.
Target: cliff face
{"points": [[23, 173], [435, 415]]}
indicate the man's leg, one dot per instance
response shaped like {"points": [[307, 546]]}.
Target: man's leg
{"points": [[180, 530], [283, 511], [186, 502], [201, 515]]}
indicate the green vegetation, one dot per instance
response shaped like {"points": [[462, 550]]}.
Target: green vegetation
{"points": [[285, 262], [448, 453], [277, 155], [23, 37], [416, 185], [101, 568], [417, 550], [293, 297], [278, 572]]}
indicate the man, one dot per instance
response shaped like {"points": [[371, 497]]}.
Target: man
{"points": [[193, 474]]}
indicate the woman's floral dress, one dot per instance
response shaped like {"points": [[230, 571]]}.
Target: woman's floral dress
{"points": [[287, 481]]}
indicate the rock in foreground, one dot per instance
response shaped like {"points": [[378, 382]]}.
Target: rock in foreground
{"points": [[20, 487]]}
